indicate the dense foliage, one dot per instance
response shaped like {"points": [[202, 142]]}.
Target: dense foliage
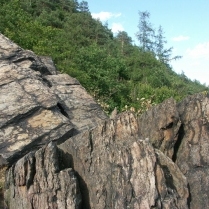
{"points": [[112, 69]]}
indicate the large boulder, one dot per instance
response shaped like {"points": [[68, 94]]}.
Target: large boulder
{"points": [[37, 105]]}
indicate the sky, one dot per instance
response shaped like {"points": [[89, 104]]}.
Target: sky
{"points": [[185, 24]]}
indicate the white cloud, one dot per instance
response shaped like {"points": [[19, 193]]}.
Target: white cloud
{"points": [[116, 27], [104, 16], [199, 51], [195, 63], [180, 38]]}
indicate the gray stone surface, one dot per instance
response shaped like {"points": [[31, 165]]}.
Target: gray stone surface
{"points": [[37, 105], [48, 62], [160, 125], [172, 185], [192, 155], [75, 103], [118, 170], [38, 180]]}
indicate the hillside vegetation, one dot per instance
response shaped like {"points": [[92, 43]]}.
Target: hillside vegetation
{"points": [[112, 69]]}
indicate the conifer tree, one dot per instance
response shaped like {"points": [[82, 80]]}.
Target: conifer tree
{"points": [[83, 6], [146, 33], [124, 40], [162, 54]]}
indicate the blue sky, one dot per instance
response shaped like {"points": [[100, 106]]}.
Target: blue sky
{"points": [[185, 23]]}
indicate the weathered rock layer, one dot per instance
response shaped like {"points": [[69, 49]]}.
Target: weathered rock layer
{"points": [[37, 105], [61, 151]]}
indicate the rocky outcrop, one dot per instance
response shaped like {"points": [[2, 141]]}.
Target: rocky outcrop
{"points": [[59, 150], [119, 170], [192, 150], [37, 105], [114, 169], [161, 125], [181, 131], [38, 180]]}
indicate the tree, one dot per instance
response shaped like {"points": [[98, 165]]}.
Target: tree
{"points": [[146, 33], [125, 42], [83, 6], [162, 54]]}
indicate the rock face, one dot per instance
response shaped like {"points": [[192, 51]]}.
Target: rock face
{"points": [[38, 180], [37, 105], [60, 151], [193, 148], [118, 170], [161, 125], [111, 171]]}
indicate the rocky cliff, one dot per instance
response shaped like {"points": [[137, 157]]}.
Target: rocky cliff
{"points": [[58, 149]]}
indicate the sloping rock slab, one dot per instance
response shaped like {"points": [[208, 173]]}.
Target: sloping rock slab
{"points": [[32, 133], [19, 98], [38, 105], [75, 103], [12, 53]]}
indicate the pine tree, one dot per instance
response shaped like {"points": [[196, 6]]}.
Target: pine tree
{"points": [[125, 42], [162, 54], [83, 6], [146, 33]]}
